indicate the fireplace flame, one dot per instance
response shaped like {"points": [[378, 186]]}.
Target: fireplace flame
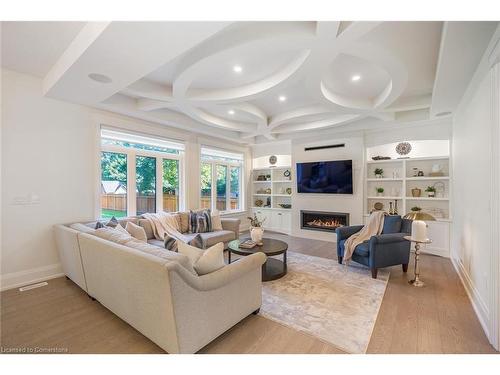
{"points": [[332, 223]]}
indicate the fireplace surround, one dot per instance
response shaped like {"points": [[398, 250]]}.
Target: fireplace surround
{"points": [[323, 221]]}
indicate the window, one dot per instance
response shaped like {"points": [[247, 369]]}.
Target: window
{"points": [[145, 182], [134, 169], [113, 184], [206, 185], [220, 182], [171, 185]]}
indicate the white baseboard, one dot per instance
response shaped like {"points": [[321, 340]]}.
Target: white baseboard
{"points": [[34, 275], [480, 308]]}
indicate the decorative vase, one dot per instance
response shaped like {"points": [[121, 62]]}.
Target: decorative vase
{"points": [[256, 233], [415, 192], [380, 194], [378, 176], [431, 194]]}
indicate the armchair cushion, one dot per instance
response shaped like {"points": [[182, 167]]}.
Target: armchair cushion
{"points": [[363, 249], [388, 238], [392, 224]]}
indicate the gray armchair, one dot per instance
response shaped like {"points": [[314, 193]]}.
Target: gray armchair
{"points": [[385, 250]]}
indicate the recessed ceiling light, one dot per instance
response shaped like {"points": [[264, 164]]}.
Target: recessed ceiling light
{"points": [[237, 69], [231, 112], [101, 78], [355, 77], [282, 98]]}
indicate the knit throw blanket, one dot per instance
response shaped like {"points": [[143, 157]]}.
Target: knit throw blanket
{"points": [[373, 227], [165, 226]]}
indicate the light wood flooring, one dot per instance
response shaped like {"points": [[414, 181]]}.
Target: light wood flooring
{"points": [[435, 319]]}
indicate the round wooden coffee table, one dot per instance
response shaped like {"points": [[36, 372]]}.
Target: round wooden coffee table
{"points": [[273, 268]]}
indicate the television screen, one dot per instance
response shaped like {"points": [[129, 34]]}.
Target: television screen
{"points": [[325, 177]]}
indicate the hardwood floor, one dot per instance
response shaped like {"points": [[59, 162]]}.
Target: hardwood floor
{"points": [[435, 319]]}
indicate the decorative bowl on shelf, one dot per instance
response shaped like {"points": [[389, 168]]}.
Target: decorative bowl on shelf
{"points": [[285, 205]]}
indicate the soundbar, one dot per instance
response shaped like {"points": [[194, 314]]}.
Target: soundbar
{"points": [[323, 147]]}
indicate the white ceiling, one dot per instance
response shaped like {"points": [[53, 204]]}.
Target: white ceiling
{"points": [[34, 47], [181, 73]]}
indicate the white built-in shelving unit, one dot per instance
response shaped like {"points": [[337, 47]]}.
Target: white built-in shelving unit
{"points": [[276, 217], [399, 180]]}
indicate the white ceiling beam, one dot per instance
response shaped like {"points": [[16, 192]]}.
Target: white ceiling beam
{"points": [[462, 46], [112, 49]]}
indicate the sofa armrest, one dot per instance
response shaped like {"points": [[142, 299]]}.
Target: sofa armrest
{"points": [[346, 232], [222, 277], [233, 225], [389, 250]]}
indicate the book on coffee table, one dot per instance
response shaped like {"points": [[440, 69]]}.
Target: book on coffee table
{"points": [[248, 244]]}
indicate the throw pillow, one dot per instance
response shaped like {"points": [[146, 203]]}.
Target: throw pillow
{"points": [[216, 221], [171, 242], [204, 261], [136, 231], [113, 222], [184, 220], [200, 221], [121, 229]]}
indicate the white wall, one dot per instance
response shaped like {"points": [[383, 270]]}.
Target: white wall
{"points": [[352, 204], [473, 164], [48, 150], [50, 159]]}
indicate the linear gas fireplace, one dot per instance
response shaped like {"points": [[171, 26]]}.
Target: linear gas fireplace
{"points": [[324, 221]]}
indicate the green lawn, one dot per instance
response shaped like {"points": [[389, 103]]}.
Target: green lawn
{"points": [[108, 214]]}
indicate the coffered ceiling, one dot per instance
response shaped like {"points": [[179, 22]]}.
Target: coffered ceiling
{"points": [[254, 81]]}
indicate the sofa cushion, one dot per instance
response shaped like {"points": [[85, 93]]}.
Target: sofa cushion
{"points": [[156, 242], [204, 261], [362, 250], [183, 260], [216, 221], [211, 238], [392, 224], [113, 235]]}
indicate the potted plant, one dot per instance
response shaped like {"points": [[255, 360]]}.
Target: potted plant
{"points": [[380, 191], [256, 230], [379, 173], [431, 191]]}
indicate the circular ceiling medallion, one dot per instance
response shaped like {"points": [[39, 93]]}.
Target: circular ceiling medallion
{"points": [[403, 148], [273, 159]]}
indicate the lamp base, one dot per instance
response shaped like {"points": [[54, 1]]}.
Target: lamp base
{"points": [[417, 283]]}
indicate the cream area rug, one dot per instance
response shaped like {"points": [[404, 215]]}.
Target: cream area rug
{"points": [[336, 303]]}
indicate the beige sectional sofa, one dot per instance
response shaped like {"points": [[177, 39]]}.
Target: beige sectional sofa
{"points": [[152, 290]]}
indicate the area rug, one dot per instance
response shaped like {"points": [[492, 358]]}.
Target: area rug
{"points": [[335, 303]]}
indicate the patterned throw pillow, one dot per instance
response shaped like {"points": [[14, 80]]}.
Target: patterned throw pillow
{"points": [[113, 222], [171, 242], [200, 221]]}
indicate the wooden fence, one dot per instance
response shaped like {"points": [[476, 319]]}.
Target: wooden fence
{"points": [[146, 203]]}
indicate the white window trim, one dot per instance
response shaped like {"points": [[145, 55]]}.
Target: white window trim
{"points": [[131, 175], [213, 195]]}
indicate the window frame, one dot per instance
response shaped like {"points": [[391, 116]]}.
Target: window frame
{"points": [[131, 175], [228, 164]]}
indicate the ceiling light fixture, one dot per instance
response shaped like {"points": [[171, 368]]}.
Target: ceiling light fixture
{"points": [[101, 78], [282, 98], [237, 69], [231, 112], [355, 78]]}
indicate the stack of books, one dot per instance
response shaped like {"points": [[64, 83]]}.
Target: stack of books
{"points": [[248, 244]]}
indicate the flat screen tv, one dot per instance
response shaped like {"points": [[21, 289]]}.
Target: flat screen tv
{"points": [[325, 177]]}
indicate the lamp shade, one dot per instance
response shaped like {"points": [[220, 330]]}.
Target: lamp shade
{"points": [[419, 215]]}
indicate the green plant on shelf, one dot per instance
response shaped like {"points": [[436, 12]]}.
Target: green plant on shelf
{"points": [[416, 209], [430, 189], [380, 190], [378, 172]]}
